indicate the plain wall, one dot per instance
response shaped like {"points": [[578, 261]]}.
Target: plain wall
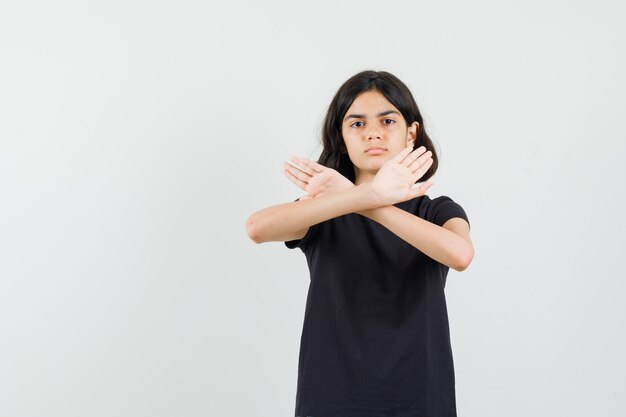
{"points": [[136, 138]]}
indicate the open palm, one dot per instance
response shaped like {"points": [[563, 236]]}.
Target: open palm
{"points": [[395, 180], [314, 178]]}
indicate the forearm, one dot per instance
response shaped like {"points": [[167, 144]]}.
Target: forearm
{"points": [[436, 242], [273, 222]]}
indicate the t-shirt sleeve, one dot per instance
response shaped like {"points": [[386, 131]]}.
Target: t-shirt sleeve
{"points": [[443, 209], [306, 241]]}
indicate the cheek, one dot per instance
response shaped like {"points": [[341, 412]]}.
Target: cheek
{"points": [[347, 139]]}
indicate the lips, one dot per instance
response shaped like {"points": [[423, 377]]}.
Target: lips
{"points": [[375, 148]]}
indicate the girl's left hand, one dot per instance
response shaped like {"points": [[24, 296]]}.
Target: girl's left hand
{"points": [[395, 180], [314, 178]]}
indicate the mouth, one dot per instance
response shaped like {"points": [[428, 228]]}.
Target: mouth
{"points": [[376, 150]]}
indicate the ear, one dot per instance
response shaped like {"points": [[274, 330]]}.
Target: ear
{"points": [[412, 132]]}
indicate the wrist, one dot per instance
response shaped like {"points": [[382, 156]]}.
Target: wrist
{"points": [[369, 198]]}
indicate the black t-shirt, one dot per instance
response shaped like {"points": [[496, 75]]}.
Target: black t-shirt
{"points": [[375, 339]]}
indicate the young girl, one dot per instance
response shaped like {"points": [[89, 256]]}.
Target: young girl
{"points": [[375, 340]]}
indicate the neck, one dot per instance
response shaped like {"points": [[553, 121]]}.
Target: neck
{"points": [[362, 177]]}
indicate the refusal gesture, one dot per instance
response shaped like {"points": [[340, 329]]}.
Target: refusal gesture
{"points": [[314, 178], [394, 182]]}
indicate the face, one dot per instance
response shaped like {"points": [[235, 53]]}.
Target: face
{"points": [[372, 121]]}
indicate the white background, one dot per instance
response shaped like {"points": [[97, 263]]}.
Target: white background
{"points": [[136, 137]]}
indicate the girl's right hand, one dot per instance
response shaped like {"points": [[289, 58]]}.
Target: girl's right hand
{"points": [[314, 178], [394, 182]]}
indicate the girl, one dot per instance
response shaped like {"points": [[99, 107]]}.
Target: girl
{"points": [[375, 340]]}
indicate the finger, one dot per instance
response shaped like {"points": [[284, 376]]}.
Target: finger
{"points": [[296, 180], [414, 155], [299, 183], [403, 153], [420, 161], [302, 165], [313, 166], [419, 173], [294, 163], [297, 172], [421, 190]]}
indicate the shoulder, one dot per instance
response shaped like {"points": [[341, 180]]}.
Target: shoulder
{"points": [[440, 209]]}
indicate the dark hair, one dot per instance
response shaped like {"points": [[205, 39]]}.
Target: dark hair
{"points": [[334, 153]]}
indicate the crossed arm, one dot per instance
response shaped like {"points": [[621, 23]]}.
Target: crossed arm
{"points": [[449, 245], [335, 196]]}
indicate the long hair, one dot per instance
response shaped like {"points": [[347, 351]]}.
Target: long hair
{"points": [[334, 153]]}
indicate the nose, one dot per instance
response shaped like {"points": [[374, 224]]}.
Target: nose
{"points": [[374, 134]]}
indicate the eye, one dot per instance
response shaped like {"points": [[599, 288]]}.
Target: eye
{"points": [[355, 123], [391, 120]]}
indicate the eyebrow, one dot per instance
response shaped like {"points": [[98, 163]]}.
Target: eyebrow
{"points": [[362, 116]]}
